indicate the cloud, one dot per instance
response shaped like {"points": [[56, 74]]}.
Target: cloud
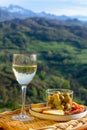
{"points": [[71, 11]]}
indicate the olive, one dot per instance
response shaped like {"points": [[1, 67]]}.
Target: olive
{"points": [[61, 107], [61, 97], [68, 106], [57, 100]]}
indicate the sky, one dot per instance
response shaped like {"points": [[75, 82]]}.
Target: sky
{"points": [[57, 7]]}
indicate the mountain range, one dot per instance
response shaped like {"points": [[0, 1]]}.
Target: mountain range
{"points": [[15, 11]]}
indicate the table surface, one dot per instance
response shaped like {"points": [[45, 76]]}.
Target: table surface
{"points": [[6, 123]]}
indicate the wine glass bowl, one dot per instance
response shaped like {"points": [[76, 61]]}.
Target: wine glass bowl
{"points": [[24, 67]]}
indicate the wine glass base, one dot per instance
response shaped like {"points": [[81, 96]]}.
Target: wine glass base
{"points": [[23, 117]]}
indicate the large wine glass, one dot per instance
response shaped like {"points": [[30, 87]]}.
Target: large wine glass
{"points": [[24, 67]]}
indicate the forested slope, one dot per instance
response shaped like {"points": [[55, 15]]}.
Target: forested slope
{"points": [[61, 48]]}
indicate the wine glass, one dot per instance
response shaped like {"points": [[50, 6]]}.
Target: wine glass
{"points": [[24, 67]]}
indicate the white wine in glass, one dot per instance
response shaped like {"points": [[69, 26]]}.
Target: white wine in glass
{"points": [[24, 67]]}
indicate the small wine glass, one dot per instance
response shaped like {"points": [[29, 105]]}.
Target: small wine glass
{"points": [[24, 67]]}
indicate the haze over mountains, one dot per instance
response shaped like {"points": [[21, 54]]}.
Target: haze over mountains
{"points": [[15, 11]]}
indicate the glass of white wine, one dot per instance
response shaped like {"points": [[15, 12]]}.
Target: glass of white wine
{"points": [[24, 67]]}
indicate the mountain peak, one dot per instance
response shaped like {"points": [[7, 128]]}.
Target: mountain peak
{"points": [[14, 8]]}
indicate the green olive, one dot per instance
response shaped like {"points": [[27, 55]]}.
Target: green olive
{"points": [[50, 99], [67, 98], [60, 107], [68, 106], [61, 97], [57, 100]]}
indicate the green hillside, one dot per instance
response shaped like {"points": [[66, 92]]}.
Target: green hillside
{"points": [[61, 48]]}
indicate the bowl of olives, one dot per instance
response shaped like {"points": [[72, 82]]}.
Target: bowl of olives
{"points": [[60, 99]]}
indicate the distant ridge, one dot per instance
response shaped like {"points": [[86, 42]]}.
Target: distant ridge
{"points": [[15, 11]]}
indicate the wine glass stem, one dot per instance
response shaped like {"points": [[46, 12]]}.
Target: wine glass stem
{"points": [[23, 100]]}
